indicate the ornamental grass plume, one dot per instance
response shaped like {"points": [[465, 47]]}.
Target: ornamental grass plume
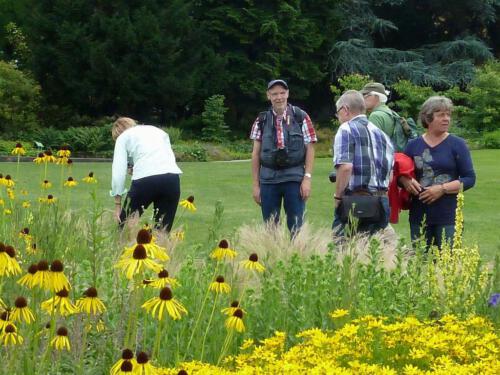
{"points": [[235, 322], [18, 150], [90, 179], [9, 336], [188, 203], [164, 303], [58, 280], [60, 304], [127, 356], [21, 312], [90, 303], [61, 341], [222, 251], [220, 286], [137, 263]]}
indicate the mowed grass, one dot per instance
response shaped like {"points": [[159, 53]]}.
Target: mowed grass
{"points": [[230, 183]]}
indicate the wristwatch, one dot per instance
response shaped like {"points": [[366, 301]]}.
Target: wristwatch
{"points": [[308, 175]]}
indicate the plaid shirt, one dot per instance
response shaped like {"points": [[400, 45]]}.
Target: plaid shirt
{"points": [[368, 149], [307, 128]]}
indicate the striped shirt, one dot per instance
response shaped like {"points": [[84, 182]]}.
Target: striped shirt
{"points": [[307, 128], [368, 149]]}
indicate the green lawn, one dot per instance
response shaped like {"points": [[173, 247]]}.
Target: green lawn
{"points": [[230, 182]]}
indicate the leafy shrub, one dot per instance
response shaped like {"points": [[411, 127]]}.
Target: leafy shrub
{"points": [[175, 134], [7, 146], [190, 152], [215, 128], [492, 139], [349, 82], [89, 139], [50, 137]]}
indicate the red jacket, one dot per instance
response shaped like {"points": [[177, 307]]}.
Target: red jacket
{"points": [[399, 198]]}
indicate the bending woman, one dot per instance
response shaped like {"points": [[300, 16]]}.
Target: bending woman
{"points": [[442, 165], [155, 176]]}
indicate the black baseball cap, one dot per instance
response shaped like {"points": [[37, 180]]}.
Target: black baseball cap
{"points": [[277, 82]]}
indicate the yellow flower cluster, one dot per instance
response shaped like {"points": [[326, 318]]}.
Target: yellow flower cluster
{"points": [[370, 345]]}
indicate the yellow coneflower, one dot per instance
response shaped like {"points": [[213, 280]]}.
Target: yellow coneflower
{"points": [[162, 281], [229, 311], [31, 248], [64, 152], [90, 303], [11, 194], [26, 204], [145, 238], [8, 181], [46, 184], [8, 261], [42, 277], [58, 279], [50, 199], [127, 355], [235, 322], [28, 280], [139, 261], [21, 311], [144, 367], [4, 319], [9, 336], [253, 263], [127, 367], [48, 157], [70, 182], [25, 232], [223, 251], [90, 179], [188, 203], [18, 150], [219, 285], [39, 159], [61, 341], [62, 161], [59, 303], [157, 305]]}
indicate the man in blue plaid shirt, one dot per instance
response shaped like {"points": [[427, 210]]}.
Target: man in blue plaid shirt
{"points": [[363, 157]]}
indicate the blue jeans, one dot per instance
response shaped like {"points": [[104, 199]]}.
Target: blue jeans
{"points": [[338, 226], [433, 234], [271, 196]]}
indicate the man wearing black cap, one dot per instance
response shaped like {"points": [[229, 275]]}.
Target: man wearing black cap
{"points": [[282, 157]]}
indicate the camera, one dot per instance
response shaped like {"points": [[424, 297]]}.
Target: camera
{"points": [[333, 177]]}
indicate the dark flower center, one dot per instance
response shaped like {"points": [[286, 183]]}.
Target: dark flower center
{"points": [[235, 304], [7, 177], [56, 266], [143, 236], [43, 265], [126, 366], [182, 372], [127, 354], [10, 328], [238, 313], [140, 252], [33, 246], [62, 331], [91, 174], [21, 302], [166, 294], [253, 257], [45, 182], [220, 279], [2, 247], [163, 274], [47, 326], [25, 231], [4, 316], [48, 153], [91, 292], [63, 293], [142, 358], [223, 244], [11, 251], [146, 282], [70, 161], [33, 269], [50, 197], [18, 145], [190, 199], [70, 179]]}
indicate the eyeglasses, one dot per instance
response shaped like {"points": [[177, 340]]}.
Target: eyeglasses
{"points": [[338, 110], [367, 95]]}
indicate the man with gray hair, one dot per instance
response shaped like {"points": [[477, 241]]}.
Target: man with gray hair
{"points": [[363, 158]]}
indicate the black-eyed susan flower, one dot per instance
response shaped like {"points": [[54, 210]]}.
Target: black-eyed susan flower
{"points": [[9, 336], [18, 150], [127, 355], [162, 281], [61, 341], [64, 152], [21, 312], [90, 179], [25, 232], [60, 303], [8, 181], [235, 322], [229, 311], [39, 159], [127, 367], [28, 280], [222, 251], [62, 161], [90, 303], [8, 262], [4, 319], [58, 279], [48, 157], [188, 203], [145, 238], [219, 285], [46, 184], [144, 367], [42, 277], [70, 182], [11, 194], [137, 263], [26, 204], [31, 248], [50, 199], [253, 263], [165, 302]]}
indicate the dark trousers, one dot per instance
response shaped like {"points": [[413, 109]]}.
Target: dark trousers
{"points": [[162, 190], [272, 195], [433, 234]]}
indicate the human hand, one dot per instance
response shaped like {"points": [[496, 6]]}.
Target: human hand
{"points": [[305, 188], [256, 194], [117, 213], [431, 194], [410, 185]]}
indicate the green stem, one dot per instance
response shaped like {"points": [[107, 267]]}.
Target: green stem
{"points": [[208, 327], [84, 344], [225, 346], [156, 348]]}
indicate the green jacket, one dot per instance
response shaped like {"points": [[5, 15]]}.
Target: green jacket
{"points": [[382, 119]]}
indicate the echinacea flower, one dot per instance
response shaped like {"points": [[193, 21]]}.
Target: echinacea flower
{"points": [[48, 157], [90, 179], [145, 238], [39, 159], [58, 279], [144, 367], [8, 181], [188, 203], [21, 311], [219, 285], [46, 184], [235, 322], [223, 251], [135, 264], [162, 281], [90, 303], [18, 150], [42, 277], [70, 182], [59, 303], [165, 302], [61, 341], [25, 233], [127, 367], [28, 280], [229, 311], [64, 152], [253, 263], [127, 356], [9, 336], [8, 261], [50, 199]]}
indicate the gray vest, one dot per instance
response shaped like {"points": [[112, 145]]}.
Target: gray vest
{"points": [[287, 164]]}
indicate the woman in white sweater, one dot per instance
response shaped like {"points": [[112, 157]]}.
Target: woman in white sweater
{"points": [[155, 176]]}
